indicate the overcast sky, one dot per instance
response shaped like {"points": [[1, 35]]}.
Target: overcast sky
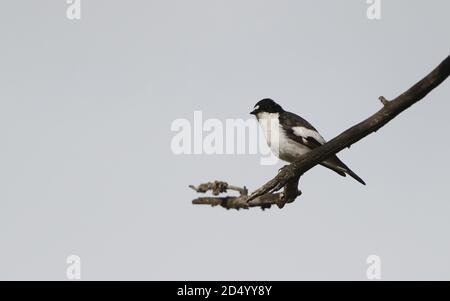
{"points": [[86, 168]]}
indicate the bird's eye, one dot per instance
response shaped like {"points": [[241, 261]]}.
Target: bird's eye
{"points": [[256, 107]]}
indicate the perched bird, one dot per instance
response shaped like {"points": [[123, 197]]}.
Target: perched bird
{"points": [[290, 136]]}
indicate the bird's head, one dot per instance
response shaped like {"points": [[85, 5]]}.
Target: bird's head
{"points": [[266, 105]]}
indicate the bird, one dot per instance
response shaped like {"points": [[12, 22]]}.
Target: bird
{"points": [[289, 136]]}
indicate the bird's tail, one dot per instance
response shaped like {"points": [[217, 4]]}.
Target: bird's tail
{"points": [[355, 176], [339, 167]]}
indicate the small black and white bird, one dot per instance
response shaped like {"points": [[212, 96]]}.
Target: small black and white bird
{"points": [[289, 136]]}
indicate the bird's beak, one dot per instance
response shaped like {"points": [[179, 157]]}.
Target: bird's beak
{"points": [[254, 112]]}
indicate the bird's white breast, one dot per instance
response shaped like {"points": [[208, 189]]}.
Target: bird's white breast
{"points": [[270, 126]]}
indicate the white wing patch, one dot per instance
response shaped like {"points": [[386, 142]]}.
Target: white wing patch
{"points": [[305, 133]]}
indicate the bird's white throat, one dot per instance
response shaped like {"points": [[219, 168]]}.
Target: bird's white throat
{"points": [[270, 126]]}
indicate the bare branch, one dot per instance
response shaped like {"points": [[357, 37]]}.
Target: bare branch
{"points": [[241, 202], [218, 187], [290, 175]]}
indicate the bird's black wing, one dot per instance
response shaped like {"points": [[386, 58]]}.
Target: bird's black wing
{"points": [[302, 132], [290, 121]]}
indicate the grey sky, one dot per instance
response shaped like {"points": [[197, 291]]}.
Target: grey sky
{"points": [[85, 160]]}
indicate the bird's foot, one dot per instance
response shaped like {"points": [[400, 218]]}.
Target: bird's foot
{"points": [[279, 170]]}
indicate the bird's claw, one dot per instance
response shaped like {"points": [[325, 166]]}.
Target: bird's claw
{"points": [[282, 168]]}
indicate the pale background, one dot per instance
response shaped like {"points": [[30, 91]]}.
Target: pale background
{"points": [[85, 160]]}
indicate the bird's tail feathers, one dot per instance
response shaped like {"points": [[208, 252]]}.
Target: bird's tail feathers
{"points": [[355, 176], [343, 170]]}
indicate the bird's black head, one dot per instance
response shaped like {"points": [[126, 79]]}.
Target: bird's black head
{"points": [[266, 105]]}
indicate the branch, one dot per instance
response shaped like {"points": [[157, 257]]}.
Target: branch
{"points": [[291, 173], [242, 202]]}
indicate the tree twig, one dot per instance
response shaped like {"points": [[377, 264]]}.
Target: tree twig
{"points": [[241, 202]]}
